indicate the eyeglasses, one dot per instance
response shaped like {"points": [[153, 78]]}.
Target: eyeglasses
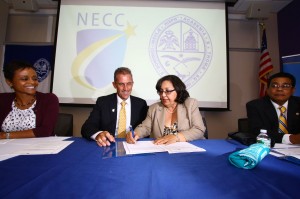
{"points": [[167, 92], [283, 86], [124, 84]]}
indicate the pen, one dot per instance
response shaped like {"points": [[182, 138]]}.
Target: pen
{"points": [[131, 129]]}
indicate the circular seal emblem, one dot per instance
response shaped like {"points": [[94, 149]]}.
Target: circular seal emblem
{"points": [[42, 67], [181, 46]]}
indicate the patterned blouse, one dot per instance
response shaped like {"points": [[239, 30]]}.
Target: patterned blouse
{"points": [[19, 120], [171, 129]]}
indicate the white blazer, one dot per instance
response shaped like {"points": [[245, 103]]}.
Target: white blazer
{"points": [[189, 121]]}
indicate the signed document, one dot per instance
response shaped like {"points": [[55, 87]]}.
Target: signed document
{"points": [[148, 147], [32, 146], [281, 150]]}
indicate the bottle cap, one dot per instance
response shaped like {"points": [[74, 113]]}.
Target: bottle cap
{"points": [[263, 130]]}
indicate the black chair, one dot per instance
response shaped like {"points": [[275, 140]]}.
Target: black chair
{"points": [[243, 134], [243, 125], [206, 130], [64, 125]]}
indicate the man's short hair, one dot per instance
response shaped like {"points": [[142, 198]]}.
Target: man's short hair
{"points": [[122, 70], [282, 74]]}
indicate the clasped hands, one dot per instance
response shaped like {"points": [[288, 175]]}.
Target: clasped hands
{"points": [[104, 138]]}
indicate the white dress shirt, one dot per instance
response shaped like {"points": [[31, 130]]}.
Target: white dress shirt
{"points": [[128, 116], [286, 137]]}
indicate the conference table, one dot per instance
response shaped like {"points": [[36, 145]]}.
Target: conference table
{"points": [[85, 170]]}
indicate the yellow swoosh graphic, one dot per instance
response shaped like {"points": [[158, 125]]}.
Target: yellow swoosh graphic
{"points": [[85, 54]]}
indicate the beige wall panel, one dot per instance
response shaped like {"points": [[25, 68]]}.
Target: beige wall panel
{"points": [[248, 36], [53, 29], [27, 28], [243, 87], [3, 20]]}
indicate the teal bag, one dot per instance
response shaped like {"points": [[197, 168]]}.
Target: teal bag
{"points": [[249, 157]]}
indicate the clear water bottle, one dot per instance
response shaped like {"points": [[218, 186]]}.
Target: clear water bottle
{"points": [[263, 138]]}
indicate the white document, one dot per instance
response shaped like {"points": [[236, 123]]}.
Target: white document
{"points": [[280, 150], [183, 147], [285, 146], [149, 147], [32, 146]]}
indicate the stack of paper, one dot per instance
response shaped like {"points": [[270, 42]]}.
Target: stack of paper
{"points": [[32, 146], [281, 150], [149, 147]]}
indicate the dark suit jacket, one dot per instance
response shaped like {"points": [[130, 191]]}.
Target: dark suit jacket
{"points": [[103, 118], [262, 115]]}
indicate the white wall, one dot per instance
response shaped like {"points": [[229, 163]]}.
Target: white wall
{"points": [[244, 56]]}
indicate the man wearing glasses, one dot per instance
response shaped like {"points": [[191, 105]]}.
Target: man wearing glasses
{"points": [[278, 112], [113, 114]]}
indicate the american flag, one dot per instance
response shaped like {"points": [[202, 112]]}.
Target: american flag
{"points": [[265, 65]]}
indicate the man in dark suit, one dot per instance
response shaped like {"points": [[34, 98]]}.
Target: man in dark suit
{"points": [[264, 113], [103, 122]]}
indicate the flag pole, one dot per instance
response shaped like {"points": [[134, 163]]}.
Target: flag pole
{"points": [[262, 27]]}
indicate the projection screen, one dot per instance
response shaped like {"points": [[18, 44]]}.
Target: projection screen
{"points": [[152, 38]]}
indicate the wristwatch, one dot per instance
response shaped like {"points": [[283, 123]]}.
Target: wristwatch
{"points": [[7, 135]]}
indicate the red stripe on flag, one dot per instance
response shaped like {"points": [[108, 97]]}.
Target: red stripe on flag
{"points": [[265, 66]]}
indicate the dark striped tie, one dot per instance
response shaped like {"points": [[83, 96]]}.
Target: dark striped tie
{"points": [[282, 121]]}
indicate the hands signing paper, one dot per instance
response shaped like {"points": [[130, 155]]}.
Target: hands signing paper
{"points": [[130, 139], [104, 138], [167, 139]]}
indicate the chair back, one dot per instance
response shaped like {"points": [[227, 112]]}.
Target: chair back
{"points": [[243, 125], [64, 125], [206, 130]]}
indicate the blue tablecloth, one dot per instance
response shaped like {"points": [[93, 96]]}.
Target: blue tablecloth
{"points": [[80, 171]]}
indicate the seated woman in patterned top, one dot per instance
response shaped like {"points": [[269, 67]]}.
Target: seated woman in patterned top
{"points": [[26, 113]]}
